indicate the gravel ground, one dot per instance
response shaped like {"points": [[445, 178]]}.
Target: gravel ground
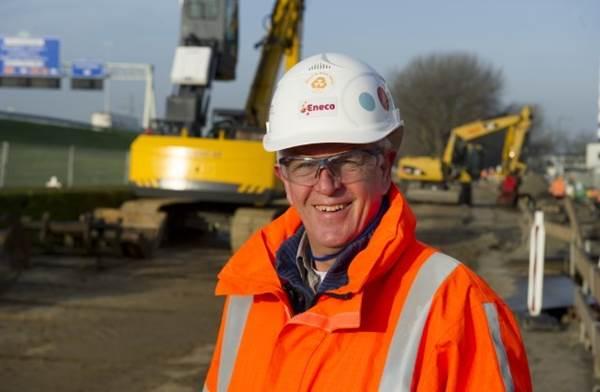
{"points": [[142, 326]]}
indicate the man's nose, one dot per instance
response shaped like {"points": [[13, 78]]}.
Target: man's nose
{"points": [[327, 181]]}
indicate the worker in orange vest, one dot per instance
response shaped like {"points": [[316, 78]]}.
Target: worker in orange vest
{"points": [[558, 187], [337, 294]]}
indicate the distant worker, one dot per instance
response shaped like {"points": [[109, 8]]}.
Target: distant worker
{"points": [[579, 191], [509, 189], [558, 187], [594, 195], [337, 294]]}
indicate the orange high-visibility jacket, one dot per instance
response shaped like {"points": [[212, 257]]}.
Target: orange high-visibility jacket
{"points": [[410, 318], [558, 187]]}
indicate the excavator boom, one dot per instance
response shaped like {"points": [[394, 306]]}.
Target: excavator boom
{"points": [[281, 42]]}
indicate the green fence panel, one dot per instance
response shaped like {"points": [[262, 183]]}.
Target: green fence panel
{"points": [[28, 165], [99, 167]]}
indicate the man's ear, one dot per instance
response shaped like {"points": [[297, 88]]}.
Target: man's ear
{"points": [[278, 172], [396, 137], [285, 183]]}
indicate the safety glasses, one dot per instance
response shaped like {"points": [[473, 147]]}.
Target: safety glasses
{"points": [[347, 167]]}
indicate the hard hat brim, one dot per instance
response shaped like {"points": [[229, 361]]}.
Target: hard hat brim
{"points": [[272, 144]]}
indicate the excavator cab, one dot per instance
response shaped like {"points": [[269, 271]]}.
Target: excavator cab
{"points": [[212, 23]]}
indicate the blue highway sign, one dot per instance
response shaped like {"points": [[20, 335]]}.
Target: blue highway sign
{"points": [[88, 69], [29, 57]]}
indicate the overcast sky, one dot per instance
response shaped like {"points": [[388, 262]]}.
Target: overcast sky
{"points": [[548, 50]]}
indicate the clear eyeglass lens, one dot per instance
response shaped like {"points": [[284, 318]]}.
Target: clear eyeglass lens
{"points": [[348, 167]]}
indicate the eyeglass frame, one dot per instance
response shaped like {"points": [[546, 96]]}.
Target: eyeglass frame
{"points": [[324, 163]]}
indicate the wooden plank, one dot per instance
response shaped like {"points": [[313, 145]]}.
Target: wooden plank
{"points": [[590, 325], [424, 195], [554, 230], [588, 270], [583, 266], [560, 232], [570, 209]]}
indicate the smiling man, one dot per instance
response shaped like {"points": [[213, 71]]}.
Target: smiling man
{"points": [[337, 294]]}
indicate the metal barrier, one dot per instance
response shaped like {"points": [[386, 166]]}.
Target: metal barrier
{"points": [[536, 264], [26, 165], [583, 269], [135, 231]]}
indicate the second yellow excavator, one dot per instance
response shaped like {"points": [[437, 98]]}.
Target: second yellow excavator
{"points": [[472, 147]]}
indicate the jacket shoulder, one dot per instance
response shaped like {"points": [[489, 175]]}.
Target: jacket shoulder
{"points": [[464, 279], [458, 277], [471, 340]]}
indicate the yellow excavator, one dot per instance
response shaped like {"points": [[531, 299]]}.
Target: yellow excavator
{"points": [[185, 173], [472, 147]]}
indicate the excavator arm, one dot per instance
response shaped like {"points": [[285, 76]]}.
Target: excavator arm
{"points": [[282, 42], [463, 150], [515, 140]]}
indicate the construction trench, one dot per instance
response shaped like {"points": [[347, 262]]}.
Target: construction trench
{"points": [[150, 324]]}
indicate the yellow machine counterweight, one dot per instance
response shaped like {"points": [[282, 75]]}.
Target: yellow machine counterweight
{"points": [[219, 169]]}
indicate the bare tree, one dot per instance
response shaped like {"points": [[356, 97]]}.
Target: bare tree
{"points": [[542, 140], [548, 139], [438, 92]]}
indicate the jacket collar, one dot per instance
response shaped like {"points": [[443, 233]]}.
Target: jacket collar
{"points": [[251, 269]]}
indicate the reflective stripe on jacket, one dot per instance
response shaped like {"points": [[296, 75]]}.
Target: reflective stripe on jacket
{"points": [[410, 318]]}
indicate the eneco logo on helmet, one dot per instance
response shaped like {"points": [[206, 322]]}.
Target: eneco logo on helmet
{"points": [[319, 82], [318, 108]]}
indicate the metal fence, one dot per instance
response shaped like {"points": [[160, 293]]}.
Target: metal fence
{"points": [[26, 165]]}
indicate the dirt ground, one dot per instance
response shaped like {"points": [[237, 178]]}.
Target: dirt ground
{"points": [[150, 325]]}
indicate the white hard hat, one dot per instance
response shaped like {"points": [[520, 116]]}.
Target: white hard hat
{"points": [[330, 98]]}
